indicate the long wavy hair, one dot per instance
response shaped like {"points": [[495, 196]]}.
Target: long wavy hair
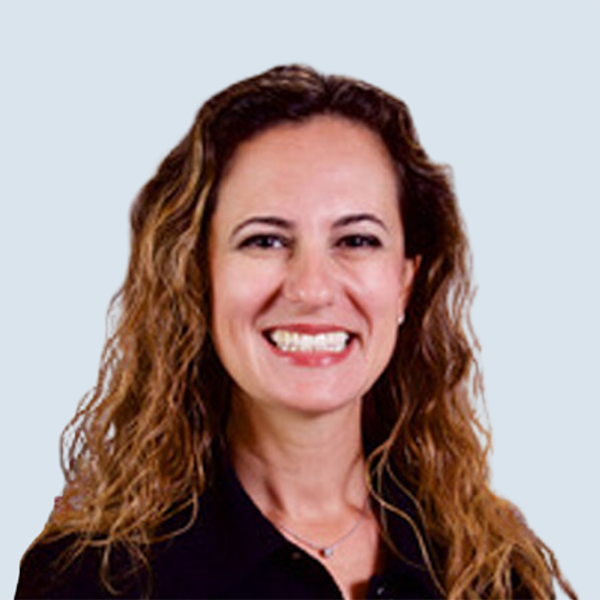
{"points": [[141, 446]]}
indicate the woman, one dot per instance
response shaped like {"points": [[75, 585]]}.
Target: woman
{"points": [[286, 408]]}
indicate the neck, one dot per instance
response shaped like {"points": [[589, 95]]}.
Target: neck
{"points": [[298, 466]]}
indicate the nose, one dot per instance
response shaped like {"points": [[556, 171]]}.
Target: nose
{"points": [[309, 278]]}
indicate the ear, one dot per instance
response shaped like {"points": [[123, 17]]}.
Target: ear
{"points": [[407, 278]]}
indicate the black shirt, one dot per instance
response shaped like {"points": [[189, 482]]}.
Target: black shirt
{"points": [[231, 551]]}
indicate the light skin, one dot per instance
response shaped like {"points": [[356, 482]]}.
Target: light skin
{"points": [[307, 240]]}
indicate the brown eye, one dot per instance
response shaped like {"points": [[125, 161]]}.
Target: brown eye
{"points": [[264, 242], [360, 241]]}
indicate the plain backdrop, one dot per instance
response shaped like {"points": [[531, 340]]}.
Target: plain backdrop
{"points": [[94, 95]]}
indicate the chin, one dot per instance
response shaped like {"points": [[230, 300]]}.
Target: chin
{"points": [[316, 402]]}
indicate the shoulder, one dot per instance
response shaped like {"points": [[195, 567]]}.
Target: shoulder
{"points": [[66, 568], [55, 569], [49, 571]]}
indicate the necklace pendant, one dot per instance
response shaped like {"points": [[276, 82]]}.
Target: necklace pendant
{"points": [[326, 552]]}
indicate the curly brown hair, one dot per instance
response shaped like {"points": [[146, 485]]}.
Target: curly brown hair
{"points": [[141, 446]]}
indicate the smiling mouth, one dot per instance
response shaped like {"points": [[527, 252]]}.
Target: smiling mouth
{"points": [[332, 342]]}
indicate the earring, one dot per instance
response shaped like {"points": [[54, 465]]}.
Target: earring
{"points": [[400, 319]]}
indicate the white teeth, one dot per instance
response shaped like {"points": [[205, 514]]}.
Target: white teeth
{"points": [[291, 341]]}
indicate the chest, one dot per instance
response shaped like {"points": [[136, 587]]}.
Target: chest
{"points": [[292, 574]]}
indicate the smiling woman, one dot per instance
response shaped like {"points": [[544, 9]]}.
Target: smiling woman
{"points": [[287, 407]]}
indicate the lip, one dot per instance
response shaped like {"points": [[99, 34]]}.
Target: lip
{"points": [[312, 358]]}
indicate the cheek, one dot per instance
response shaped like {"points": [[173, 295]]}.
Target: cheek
{"points": [[239, 288], [229, 302], [381, 290]]}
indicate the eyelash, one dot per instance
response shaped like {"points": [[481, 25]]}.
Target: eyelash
{"points": [[264, 241], [268, 241], [360, 241]]}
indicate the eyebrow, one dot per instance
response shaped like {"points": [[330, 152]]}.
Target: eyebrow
{"points": [[267, 220], [359, 217], [285, 224]]}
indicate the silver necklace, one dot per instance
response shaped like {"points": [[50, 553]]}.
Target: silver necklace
{"points": [[327, 551]]}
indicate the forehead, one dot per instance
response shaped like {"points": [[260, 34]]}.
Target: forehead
{"points": [[326, 163]]}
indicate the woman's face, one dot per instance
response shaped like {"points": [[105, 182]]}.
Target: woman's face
{"points": [[307, 265]]}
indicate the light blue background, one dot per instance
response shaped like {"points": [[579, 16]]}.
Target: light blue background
{"points": [[94, 94]]}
